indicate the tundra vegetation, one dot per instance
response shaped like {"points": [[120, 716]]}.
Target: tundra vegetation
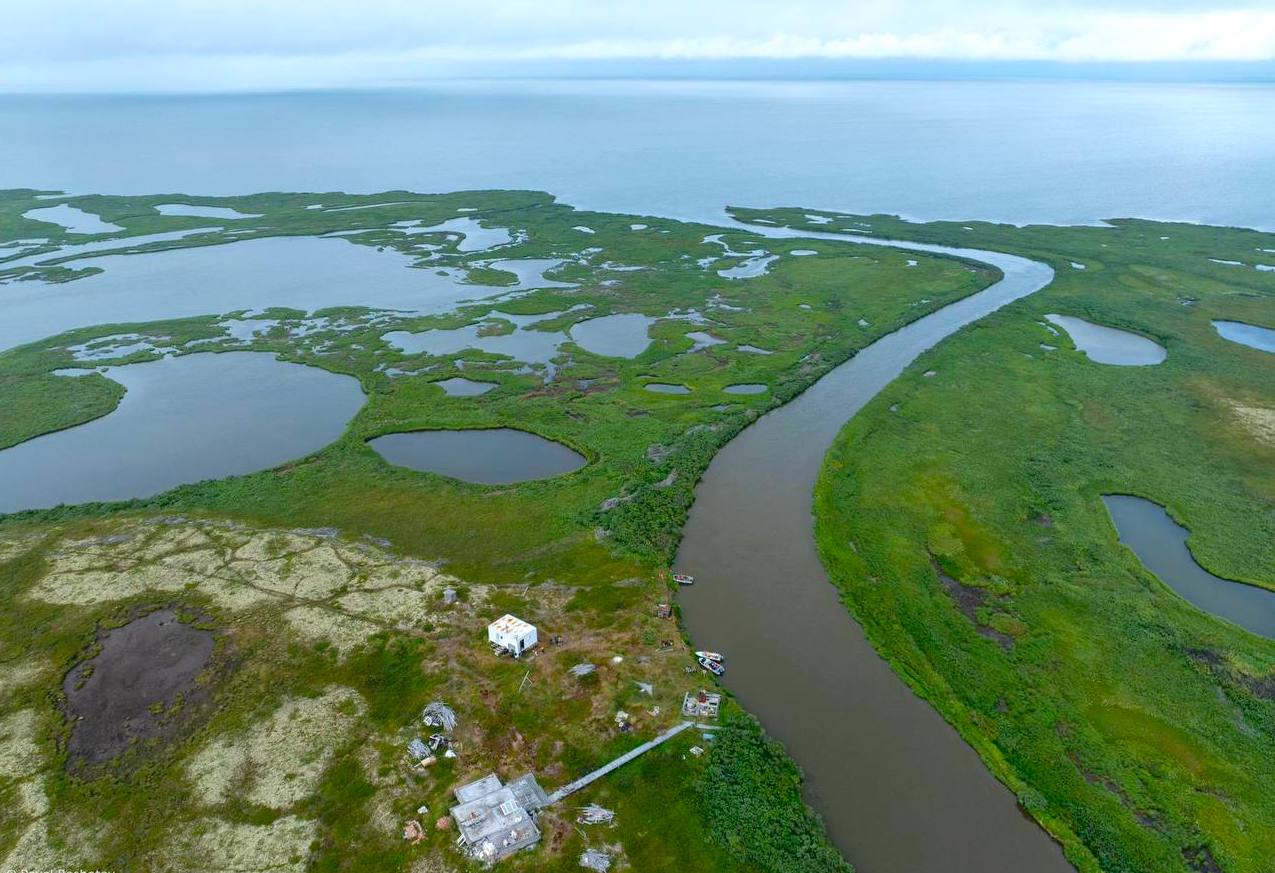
{"points": [[322, 579], [1138, 731], [960, 515]]}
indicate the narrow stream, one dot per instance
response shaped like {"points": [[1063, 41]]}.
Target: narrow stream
{"points": [[898, 787]]}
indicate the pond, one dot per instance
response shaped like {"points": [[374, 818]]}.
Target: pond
{"points": [[746, 388], [74, 219], [615, 336], [120, 697], [666, 388], [306, 273], [1261, 338], [1160, 543], [1107, 345], [491, 456], [182, 420], [458, 387], [474, 237], [197, 211]]}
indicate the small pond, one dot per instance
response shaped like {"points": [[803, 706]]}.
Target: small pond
{"points": [[1160, 543], [746, 388], [666, 388], [185, 209], [474, 237], [1107, 345], [749, 268], [616, 336], [1261, 338], [75, 220], [120, 696], [493, 456], [182, 420], [458, 387]]}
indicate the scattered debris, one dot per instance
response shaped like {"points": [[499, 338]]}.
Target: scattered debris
{"points": [[594, 814], [450, 753], [645, 688], [413, 832], [704, 704], [444, 823], [593, 859], [417, 749], [618, 659], [582, 670], [439, 714], [422, 809], [663, 610], [449, 596], [494, 820], [697, 750]]}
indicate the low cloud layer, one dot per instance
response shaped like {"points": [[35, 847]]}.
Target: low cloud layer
{"points": [[234, 44]]}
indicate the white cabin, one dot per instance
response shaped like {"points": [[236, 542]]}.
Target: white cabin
{"points": [[512, 634]]}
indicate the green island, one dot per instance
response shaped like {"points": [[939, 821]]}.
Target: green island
{"points": [[332, 598]]}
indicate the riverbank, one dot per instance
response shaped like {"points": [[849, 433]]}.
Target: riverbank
{"points": [[960, 516]]}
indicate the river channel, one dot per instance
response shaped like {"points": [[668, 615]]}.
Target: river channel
{"points": [[900, 791]]}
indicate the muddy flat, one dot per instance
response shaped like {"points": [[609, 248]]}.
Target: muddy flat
{"points": [[149, 662]]}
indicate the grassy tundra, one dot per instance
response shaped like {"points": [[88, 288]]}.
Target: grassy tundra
{"points": [[350, 629]]}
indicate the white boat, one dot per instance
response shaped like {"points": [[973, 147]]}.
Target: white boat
{"points": [[683, 579], [711, 666], [712, 656]]}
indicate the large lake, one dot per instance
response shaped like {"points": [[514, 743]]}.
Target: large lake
{"points": [[1031, 151]]}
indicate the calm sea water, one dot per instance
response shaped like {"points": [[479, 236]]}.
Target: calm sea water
{"points": [[1011, 151]]}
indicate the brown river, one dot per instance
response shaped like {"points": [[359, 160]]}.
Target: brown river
{"points": [[900, 791]]}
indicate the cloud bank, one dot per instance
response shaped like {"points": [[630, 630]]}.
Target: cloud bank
{"points": [[234, 44]]}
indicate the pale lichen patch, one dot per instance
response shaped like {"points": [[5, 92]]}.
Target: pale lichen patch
{"points": [[392, 605], [14, 676], [219, 846], [343, 632], [282, 759], [19, 753], [103, 586], [1257, 420]]}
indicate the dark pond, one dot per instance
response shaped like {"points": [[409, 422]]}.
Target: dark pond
{"points": [[666, 388], [182, 420], [493, 456], [1160, 543], [120, 696], [746, 388]]}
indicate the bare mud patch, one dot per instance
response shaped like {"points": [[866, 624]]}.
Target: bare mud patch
{"points": [[126, 694]]}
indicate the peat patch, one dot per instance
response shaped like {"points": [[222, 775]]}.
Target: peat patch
{"points": [[139, 686]]}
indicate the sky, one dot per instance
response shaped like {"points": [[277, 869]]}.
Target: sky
{"points": [[229, 45]]}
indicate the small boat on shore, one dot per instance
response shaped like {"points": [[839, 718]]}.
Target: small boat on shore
{"points": [[712, 656], [683, 579], [711, 666]]}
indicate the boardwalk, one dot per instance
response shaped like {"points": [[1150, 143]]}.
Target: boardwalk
{"points": [[573, 787]]}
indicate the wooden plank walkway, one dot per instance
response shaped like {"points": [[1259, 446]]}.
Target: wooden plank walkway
{"points": [[573, 787]]}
